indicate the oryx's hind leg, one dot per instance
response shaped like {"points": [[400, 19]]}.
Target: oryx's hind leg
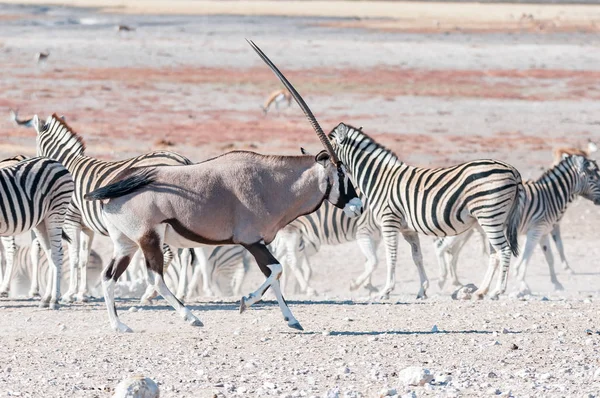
{"points": [[9, 254], [272, 269], [124, 249], [49, 234], [413, 239], [151, 293], [561, 250], [152, 248], [368, 248]]}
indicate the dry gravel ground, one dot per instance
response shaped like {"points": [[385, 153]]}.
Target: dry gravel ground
{"points": [[436, 97]]}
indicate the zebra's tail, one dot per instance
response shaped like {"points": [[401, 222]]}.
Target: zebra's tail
{"points": [[513, 220], [126, 183]]}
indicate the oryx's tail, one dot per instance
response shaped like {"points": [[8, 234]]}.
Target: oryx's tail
{"points": [[126, 183]]}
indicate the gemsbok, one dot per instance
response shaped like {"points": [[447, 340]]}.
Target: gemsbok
{"points": [[239, 198]]}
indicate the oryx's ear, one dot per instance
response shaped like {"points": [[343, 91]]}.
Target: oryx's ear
{"points": [[322, 158], [304, 151], [341, 133]]}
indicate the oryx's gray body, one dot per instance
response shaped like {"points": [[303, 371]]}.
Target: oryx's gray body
{"points": [[237, 198]]}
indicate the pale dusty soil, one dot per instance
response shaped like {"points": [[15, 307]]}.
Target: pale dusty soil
{"points": [[192, 84]]}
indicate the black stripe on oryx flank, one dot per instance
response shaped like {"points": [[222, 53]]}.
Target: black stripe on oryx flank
{"points": [[192, 236]]}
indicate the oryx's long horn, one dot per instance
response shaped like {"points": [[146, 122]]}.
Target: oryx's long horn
{"points": [[14, 116], [300, 101]]}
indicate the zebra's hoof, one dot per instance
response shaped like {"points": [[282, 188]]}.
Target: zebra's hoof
{"points": [[478, 295], [53, 305], [558, 286], [82, 298], [371, 289], [296, 325], [353, 285], [122, 328], [196, 322], [243, 305], [3, 294], [44, 304], [311, 292], [67, 298]]}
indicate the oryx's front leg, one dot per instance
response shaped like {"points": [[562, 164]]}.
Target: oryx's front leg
{"points": [[272, 269], [415, 246], [151, 293], [556, 237]]}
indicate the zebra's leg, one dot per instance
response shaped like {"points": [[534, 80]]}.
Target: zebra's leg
{"points": [[390, 239], [87, 237], [367, 247], [240, 274], [9, 249], [182, 284], [151, 293], [124, 249], [34, 257], [415, 246], [272, 269], [556, 237], [494, 261], [307, 273], [292, 244], [545, 244], [73, 231], [533, 238], [462, 241], [49, 234], [203, 268]]}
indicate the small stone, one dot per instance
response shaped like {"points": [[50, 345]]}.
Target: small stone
{"points": [[493, 391], [415, 376], [434, 329], [269, 385], [387, 392], [133, 309], [544, 299], [411, 394], [137, 386], [348, 319], [505, 331], [373, 338], [514, 346], [62, 328], [495, 342], [8, 370], [28, 319], [325, 332], [589, 332], [596, 374], [492, 375]]}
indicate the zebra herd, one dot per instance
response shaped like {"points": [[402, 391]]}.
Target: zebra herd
{"points": [[272, 207]]}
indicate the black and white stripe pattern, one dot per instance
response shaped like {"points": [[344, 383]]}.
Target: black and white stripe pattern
{"points": [[34, 196], [436, 202], [543, 205], [58, 141]]}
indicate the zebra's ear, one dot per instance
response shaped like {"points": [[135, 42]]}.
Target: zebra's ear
{"points": [[592, 147], [341, 133], [37, 124], [580, 163]]}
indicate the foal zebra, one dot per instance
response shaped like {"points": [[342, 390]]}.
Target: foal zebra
{"points": [[437, 202], [542, 207], [34, 196], [56, 140]]}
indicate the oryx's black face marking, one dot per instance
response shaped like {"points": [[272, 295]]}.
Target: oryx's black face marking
{"points": [[340, 191]]}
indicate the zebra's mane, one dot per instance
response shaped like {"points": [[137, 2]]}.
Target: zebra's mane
{"points": [[552, 171], [358, 135], [59, 126]]}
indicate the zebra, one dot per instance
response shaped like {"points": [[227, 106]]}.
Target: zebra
{"points": [[33, 268], [56, 140], [34, 196], [8, 242], [436, 202], [544, 202]]}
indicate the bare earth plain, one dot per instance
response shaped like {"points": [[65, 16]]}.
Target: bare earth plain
{"points": [[436, 83]]}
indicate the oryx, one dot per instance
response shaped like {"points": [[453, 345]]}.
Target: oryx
{"points": [[237, 198]]}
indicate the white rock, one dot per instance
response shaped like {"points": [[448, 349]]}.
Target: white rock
{"points": [[409, 395], [133, 309], [333, 393], [434, 329], [415, 376], [465, 292], [387, 392], [596, 375], [326, 333], [137, 386]]}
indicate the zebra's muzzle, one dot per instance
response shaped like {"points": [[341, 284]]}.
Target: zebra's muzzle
{"points": [[353, 208]]}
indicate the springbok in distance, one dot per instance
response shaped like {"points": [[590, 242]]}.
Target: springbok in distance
{"points": [[237, 198], [543, 205], [560, 153], [275, 98], [34, 196], [438, 202]]}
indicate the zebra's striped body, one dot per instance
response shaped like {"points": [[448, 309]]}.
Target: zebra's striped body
{"points": [[58, 141], [8, 242], [436, 202], [543, 205], [34, 196]]}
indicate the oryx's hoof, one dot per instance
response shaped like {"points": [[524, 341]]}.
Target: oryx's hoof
{"points": [[479, 294], [384, 296], [558, 286], [196, 322], [296, 325], [243, 304], [122, 328]]}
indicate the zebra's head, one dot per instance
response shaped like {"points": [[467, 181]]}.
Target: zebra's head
{"points": [[589, 180], [56, 140]]}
